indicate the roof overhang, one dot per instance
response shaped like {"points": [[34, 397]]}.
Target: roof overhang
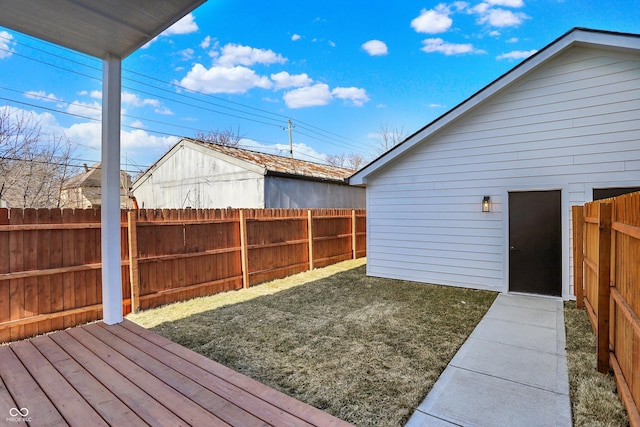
{"points": [[96, 27], [577, 36]]}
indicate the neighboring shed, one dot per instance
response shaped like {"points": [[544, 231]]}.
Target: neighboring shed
{"points": [[558, 130], [83, 190], [202, 175]]}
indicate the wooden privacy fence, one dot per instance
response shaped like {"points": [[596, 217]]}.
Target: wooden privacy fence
{"points": [[606, 237], [50, 259]]}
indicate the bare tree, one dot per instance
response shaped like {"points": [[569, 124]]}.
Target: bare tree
{"points": [[389, 137], [32, 169], [351, 161], [227, 137]]}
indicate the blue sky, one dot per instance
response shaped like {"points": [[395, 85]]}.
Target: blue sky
{"points": [[340, 70]]}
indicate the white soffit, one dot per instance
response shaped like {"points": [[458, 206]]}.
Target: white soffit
{"points": [[95, 27]]}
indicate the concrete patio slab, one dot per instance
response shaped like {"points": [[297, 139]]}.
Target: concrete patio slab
{"points": [[517, 334], [543, 370], [511, 371], [468, 398]]}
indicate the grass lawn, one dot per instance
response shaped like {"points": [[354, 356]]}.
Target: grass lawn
{"points": [[364, 349], [594, 401]]}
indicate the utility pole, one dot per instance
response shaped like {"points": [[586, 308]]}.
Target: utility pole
{"points": [[290, 128]]}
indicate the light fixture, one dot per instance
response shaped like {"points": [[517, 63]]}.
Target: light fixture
{"points": [[486, 204]]}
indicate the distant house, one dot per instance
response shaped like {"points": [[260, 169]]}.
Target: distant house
{"points": [[481, 197], [198, 175], [83, 190]]}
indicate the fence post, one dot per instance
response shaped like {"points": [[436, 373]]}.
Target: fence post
{"points": [[134, 275], [243, 250], [604, 290], [578, 254], [310, 237], [353, 234]]}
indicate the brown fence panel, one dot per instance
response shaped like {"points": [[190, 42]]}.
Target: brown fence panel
{"points": [[277, 243], [625, 301], [50, 260], [332, 238], [612, 290]]}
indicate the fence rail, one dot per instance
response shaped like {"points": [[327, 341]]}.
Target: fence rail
{"points": [[607, 284], [50, 260]]}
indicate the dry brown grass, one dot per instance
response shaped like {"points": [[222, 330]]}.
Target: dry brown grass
{"points": [[364, 349], [594, 400]]}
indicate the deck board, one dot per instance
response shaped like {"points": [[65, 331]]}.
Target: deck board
{"points": [[71, 405], [103, 402], [126, 375]]}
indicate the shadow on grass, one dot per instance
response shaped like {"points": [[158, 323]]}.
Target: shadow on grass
{"points": [[364, 349]]}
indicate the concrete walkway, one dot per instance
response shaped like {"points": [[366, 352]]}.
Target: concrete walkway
{"points": [[512, 371]]}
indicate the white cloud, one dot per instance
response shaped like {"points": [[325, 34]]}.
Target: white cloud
{"points": [[296, 37], [186, 25], [332, 43], [163, 111], [375, 47], [218, 79], [356, 96], [135, 101], [494, 33], [320, 94], [513, 40], [517, 54], [206, 42], [440, 46], [235, 54], [285, 80], [97, 94], [501, 17], [507, 3], [433, 21], [6, 44], [300, 150], [41, 95], [436, 106], [310, 96], [186, 54], [85, 109]]}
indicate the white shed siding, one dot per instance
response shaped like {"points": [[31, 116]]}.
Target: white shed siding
{"points": [[192, 177], [572, 124]]}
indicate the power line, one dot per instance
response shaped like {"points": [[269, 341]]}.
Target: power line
{"points": [[311, 128]]}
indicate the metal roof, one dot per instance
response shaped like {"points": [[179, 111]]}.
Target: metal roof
{"points": [[280, 165], [94, 27]]}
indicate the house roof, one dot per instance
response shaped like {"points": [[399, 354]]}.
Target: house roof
{"points": [[90, 177], [95, 27], [275, 164], [267, 164], [575, 37]]}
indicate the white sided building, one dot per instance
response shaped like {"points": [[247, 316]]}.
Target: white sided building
{"points": [[200, 175], [481, 197]]}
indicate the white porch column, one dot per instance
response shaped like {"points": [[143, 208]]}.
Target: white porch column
{"points": [[110, 198]]}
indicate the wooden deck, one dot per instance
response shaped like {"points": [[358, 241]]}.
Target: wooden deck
{"points": [[124, 375]]}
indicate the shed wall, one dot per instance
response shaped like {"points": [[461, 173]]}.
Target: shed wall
{"points": [[298, 193], [572, 124], [193, 178]]}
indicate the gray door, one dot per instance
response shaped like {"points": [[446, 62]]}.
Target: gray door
{"points": [[535, 242], [605, 193]]}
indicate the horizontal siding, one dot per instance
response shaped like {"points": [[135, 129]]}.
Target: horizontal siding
{"points": [[571, 124]]}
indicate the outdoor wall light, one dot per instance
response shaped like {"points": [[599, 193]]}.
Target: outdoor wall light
{"points": [[486, 204]]}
